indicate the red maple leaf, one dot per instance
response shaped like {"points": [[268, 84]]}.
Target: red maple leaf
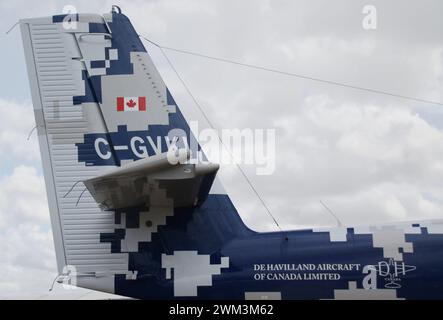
{"points": [[131, 103]]}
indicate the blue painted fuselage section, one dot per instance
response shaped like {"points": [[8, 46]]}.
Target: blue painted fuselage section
{"points": [[215, 229]]}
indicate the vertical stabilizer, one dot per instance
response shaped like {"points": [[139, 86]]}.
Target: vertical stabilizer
{"points": [[100, 104]]}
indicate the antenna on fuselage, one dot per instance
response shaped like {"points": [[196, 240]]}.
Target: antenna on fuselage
{"points": [[339, 224]]}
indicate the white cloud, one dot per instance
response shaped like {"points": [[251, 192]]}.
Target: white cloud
{"points": [[23, 197], [16, 122], [27, 262], [371, 164]]}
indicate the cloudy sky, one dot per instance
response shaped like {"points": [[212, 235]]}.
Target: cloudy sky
{"points": [[371, 158]]}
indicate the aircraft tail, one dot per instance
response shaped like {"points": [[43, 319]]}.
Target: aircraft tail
{"points": [[100, 105]]}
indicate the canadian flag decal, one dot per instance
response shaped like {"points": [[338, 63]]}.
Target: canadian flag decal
{"points": [[131, 104]]}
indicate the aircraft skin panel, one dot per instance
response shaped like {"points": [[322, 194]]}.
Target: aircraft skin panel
{"points": [[55, 57], [44, 147], [99, 104]]}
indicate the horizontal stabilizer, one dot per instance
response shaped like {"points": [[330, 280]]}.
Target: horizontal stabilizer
{"points": [[134, 184]]}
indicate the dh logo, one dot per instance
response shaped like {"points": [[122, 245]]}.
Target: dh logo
{"points": [[390, 271]]}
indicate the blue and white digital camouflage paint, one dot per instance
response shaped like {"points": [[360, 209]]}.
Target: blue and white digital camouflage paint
{"points": [[127, 220]]}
